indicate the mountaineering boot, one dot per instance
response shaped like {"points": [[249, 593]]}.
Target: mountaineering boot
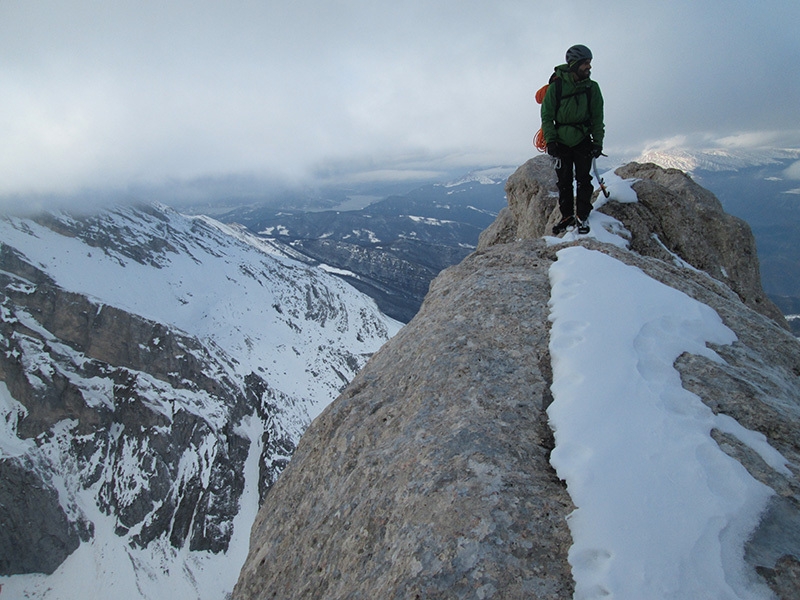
{"points": [[583, 227], [562, 225]]}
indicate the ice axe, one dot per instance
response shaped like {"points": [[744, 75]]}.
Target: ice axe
{"points": [[599, 179]]}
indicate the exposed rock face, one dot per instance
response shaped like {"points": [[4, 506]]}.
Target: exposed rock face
{"points": [[429, 476], [47, 536]]}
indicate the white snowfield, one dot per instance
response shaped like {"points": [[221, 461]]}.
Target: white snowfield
{"points": [[662, 512]]}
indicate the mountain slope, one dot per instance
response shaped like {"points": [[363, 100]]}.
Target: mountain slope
{"points": [[442, 475], [157, 373], [393, 248]]}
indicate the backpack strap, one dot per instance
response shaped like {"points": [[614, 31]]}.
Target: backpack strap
{"points": [[588, 121], [559, 85]]}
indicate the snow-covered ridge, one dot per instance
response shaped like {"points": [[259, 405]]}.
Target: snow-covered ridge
{"points": [[629, 390], [491, 176], [634, 445], [717, 159]]}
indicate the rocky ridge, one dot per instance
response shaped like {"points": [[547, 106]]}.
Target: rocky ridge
{"points": [[429, 476], [674, 220]]}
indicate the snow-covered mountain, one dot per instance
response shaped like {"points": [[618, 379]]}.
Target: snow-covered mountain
{"points": [[488, 176], [718, 159], [157, 371]]}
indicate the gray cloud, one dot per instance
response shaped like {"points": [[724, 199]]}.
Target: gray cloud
{"points": [[131, 94]]}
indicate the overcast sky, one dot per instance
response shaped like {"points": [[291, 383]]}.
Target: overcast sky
{"points": [[106, 95]]}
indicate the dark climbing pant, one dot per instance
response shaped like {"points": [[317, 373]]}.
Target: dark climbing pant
{"points": [[575, 162]]}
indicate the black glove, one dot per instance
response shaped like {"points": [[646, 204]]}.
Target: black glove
{"points": [[597, 151], [553, 150]]}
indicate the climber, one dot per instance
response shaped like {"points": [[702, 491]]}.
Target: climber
{"points": [[572, 124]]}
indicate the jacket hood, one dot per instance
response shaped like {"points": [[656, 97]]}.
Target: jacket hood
{"points": [[565, 74], [562, 69]]}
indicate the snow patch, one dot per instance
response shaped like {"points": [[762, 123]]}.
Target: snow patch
{"points": [[11, 412], [275, 230], [661, 510], [428, 221], [618, 189], [677, 260]]}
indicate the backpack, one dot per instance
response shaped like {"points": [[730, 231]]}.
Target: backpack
{"points": [[538, 139]]}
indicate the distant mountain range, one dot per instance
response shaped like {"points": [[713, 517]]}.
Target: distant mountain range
{"points": [[719, 159], [392, 248]]}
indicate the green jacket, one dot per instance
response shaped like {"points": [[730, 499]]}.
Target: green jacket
{"points": [[579, 116]]}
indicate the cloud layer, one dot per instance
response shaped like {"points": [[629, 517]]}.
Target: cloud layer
{"points": [[112, 95]]}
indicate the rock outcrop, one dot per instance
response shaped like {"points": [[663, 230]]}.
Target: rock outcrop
{"points": [[429, 476]]}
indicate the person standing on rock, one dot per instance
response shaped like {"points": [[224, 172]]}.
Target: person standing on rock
{"points": [[573, 128]]}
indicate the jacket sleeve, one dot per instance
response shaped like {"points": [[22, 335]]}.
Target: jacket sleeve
{"points": [[548, 115], [598, 126]]}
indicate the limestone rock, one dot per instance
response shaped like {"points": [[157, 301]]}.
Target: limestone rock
{"points": [[429, 476], [676, 213], [47, 536]]}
